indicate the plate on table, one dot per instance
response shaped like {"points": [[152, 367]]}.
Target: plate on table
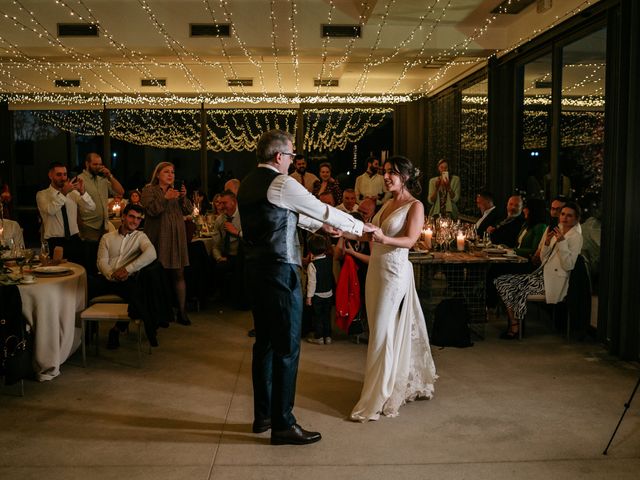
{"points": [[52, 271], [495, 251]]}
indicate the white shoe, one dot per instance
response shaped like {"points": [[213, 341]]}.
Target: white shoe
{"points": [[317, 341], [327, 340]]}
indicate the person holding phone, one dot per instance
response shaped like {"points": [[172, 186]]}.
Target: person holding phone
{"points": [[560, 249], [554, 212], [166, 204], [444, 192]]}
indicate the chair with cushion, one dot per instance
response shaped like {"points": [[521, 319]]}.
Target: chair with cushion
{"points": [[578, 299], [108, 310]]}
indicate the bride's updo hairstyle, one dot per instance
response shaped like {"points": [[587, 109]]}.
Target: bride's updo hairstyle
{"points": [[410, 174]]}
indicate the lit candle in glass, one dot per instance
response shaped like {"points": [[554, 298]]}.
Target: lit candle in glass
{"points": [[428, 234], [116, 209], [460, 241], [195, 212]]}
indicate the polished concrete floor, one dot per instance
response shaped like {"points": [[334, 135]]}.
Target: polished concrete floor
{"points": [[540, 408]]}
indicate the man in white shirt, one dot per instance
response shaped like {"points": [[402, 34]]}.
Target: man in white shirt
{"points": [[58, 207], [370, 184], [227, 233], [122, 254], [272, 204], [348, 204], [304, 178]]}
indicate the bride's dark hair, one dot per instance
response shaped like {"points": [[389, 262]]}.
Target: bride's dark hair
{"points": [[410, 174]]}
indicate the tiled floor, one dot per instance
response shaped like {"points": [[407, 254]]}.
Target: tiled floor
{"points": [[539, 408]]}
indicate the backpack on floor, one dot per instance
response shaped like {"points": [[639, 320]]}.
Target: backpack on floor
{"points": [[451, 324]]}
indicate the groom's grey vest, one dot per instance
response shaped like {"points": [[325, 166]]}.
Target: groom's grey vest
{"points": [[268, 232]]}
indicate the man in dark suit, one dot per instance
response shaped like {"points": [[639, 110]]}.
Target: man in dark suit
{"points": [[490, 217], [272, 204], [507, 231]]}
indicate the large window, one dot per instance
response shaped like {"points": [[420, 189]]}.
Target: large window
{"points": [[533, 168]]}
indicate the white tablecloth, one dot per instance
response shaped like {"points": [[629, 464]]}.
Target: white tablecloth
{"points": [[208, 244], [50, 306]]}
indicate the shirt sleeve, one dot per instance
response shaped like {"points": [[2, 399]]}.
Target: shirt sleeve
{"points": [[103, 258], [84, 201], [311, 280], [147, 255], [285, 192]]}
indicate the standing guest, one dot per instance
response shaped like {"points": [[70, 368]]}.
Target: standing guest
{"points": [[227, 234], [271, 205], [371, 184], [399, 365], [100, 184], [306, 179], [58, 207], [122, 254], [444, 192], [327, 183], [320, 289], [560, 250], [489, 215], [164, 225], [507, 231], [348, 204]]}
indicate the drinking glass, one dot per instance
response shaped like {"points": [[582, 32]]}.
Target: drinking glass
{"points": [[44, 252], [20, 260]]}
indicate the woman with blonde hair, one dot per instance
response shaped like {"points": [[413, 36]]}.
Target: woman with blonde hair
{"points": [[166, 204]]}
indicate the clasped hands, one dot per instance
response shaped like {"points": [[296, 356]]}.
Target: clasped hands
{"points": [[556, 232], [369, 232]]}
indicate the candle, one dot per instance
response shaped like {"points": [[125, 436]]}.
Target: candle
{"points": [[428, 234], [196, 212], [116, 209], [460, 241]]}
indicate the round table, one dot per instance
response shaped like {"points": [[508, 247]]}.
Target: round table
{"points": [[50, 306]]}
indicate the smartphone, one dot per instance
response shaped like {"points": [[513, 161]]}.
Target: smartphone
{"points": [[553, 223], [177, 184], [445, 176]]}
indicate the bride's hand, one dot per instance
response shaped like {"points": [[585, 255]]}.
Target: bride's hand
{"points": [[378, 236]]}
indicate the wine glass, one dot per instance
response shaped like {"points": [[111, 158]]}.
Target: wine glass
{"points": [[20, 260], [44, 252]]}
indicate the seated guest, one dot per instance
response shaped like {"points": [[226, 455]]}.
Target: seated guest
{"points": [[490, 216], [328, 198], [58, 207], [122, 254], [554, 212], [530, 235], [348, 204], [367, 208], [232, 186], [560, 250], [11, 234], [227, 232], [506, 232]]}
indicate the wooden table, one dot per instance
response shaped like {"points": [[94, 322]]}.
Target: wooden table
{"points": [[462, 275]]}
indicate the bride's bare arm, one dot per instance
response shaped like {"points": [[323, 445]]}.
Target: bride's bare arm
{"points": [[411, 233]]}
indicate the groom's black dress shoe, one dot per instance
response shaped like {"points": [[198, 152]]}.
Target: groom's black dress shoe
{"points": [[261, 426], [294, 435]]}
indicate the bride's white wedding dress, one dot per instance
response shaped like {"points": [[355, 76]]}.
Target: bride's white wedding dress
{"points": [[399, 364]]}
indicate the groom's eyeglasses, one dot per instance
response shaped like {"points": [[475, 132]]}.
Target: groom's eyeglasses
{"points": [[288, 153]]}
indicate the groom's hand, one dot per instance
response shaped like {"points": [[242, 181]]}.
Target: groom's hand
{"points": [[334, 232], [369, 228]]}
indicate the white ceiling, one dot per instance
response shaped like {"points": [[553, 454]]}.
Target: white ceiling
{"points": [[408, 47]]}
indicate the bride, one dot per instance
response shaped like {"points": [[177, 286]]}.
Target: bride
{"points": [[399, 365]]}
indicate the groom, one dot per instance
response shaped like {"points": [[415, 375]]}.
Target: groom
{"points": [[272, 204]]}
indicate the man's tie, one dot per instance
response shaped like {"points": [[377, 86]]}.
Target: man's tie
{"points": [[226, 246], [65, 221]]}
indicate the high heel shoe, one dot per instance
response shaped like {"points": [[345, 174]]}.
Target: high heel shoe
{"points": [[512, 333]]}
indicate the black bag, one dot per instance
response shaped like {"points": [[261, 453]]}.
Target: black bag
{"points": [[451, 324], [15, 344], [355, 327]]}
